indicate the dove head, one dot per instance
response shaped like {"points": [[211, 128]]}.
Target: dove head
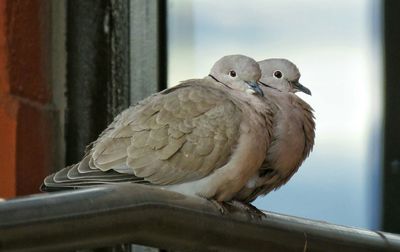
{"points": [[238, 72], [281, 74]]}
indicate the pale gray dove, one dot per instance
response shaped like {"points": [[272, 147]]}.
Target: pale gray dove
{"points": [[206, 137], [293, 128]]}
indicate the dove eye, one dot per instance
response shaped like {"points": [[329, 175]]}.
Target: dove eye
{"points": [[232, 73], [278, 74]]}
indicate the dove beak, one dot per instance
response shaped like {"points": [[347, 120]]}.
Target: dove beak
{"points": [[255, 87], [301, 88]]}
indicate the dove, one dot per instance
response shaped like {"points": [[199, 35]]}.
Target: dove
{"points": [[204, 137], [293, 128]]}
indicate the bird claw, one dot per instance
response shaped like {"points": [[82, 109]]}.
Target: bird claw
{"points": [[226, 207], [252, 211], [220, 206]]}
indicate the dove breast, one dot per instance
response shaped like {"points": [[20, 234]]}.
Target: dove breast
{"points": [[292, 141]]}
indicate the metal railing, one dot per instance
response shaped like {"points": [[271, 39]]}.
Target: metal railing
{"points": [[131, 213]]}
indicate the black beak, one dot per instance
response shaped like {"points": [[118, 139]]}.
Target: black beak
{"points": [[254, 85], [301, 88]]}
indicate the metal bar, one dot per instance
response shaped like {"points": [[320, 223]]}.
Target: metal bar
{"points": [[98, 69], [391, 156], [148, 48], [132, 213], [119, 84], [58, 56], [88, 72]]}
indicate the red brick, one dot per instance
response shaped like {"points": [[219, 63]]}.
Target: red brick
{"points": [[27, 37], [27, 118], [34, 146], [8, 136]]}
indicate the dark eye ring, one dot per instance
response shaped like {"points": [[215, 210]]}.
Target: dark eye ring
{"points": [[232, 73], [278, 74]]}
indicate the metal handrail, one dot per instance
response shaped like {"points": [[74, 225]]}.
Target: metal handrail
{"points": [[131, 213]]}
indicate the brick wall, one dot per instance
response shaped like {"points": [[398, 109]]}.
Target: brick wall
{"points": [[28, 119]]}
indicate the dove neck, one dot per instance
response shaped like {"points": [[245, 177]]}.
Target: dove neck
{"points": [[266, 85], [219, 81]]}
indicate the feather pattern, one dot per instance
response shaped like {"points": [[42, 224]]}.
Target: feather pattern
{"points": [[189, 131]]}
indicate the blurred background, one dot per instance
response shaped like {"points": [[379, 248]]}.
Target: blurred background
{"points": [[68, 67]]}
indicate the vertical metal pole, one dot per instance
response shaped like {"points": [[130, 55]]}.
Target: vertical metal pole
{"points": [[88, 71], [148, 55], [119, 86], [97, 69], [391, 175], [58, 76], [148, 48]]}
